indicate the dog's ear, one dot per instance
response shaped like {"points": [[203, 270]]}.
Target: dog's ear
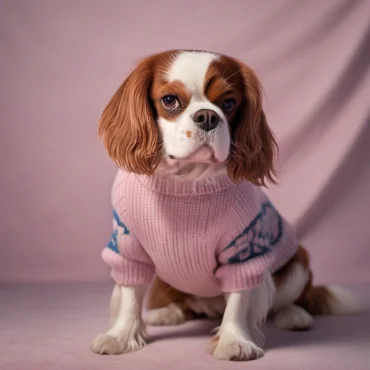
{"points": [[253, 147], [127, 126]]}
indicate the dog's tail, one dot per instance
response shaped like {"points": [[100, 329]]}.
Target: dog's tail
{"points": [[328, 300]]}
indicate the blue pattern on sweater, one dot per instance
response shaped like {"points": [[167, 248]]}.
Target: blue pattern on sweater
{"points": [[265, 230], [121, 229]]}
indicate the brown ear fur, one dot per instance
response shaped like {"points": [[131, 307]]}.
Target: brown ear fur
{"points": [[127, 126], [254, 146]]}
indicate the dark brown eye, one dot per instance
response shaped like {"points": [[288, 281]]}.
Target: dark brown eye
{"points": [[170, 102], [228, 105]]}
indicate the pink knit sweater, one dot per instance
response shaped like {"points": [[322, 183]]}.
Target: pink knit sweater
{"points": [[203, 237]]}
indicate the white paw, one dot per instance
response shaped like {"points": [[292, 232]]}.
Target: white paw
{"points": [[109, 344], [293, 317], [106, 344], [169, 315], [229, 347]]}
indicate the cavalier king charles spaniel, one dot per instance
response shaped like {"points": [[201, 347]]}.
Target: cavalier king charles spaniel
{"points": [[190, 219]]}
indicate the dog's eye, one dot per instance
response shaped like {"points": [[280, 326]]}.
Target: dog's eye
{"points": [[170, 102], [228, 105]]}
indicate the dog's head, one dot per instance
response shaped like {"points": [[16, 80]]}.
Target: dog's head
{"points": [[190, 113]]}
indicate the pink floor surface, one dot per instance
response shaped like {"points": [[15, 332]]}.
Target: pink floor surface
{"points": [[50, 326]]}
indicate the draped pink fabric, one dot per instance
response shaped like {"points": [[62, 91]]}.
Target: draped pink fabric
{"points": [[62, 60]]}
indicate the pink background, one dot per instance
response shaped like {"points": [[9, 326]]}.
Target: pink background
{"points": [[62, 60]]}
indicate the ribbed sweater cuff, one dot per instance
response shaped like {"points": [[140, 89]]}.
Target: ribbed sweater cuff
{"points": [[126, 272], [244, 275], [236, 283]]}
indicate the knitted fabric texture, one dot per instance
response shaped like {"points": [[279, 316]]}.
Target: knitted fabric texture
{"points": [[204, 238]]}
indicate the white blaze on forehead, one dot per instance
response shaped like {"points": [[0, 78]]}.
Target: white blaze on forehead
{"points": [[190, 67]]}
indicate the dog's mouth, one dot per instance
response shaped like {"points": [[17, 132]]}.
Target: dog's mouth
{"points": [[204, 154]]}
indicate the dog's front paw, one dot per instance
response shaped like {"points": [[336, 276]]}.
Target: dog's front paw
{"points": [[107, 344], [229, 347]]}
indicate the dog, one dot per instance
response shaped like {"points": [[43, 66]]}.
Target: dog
{"points": [[194, 150]]}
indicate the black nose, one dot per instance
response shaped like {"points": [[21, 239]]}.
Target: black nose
{"points": [[206, 119]]}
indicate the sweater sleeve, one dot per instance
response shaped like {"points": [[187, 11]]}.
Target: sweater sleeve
{"points": [[255, 232], [129, 263]]}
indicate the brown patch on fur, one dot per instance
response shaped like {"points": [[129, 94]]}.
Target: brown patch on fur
{"points": [[216, 87], [302, 257], [128, 124], [162, 88], [189, 134], [315, 299], [162, 294], [223, 81]]}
